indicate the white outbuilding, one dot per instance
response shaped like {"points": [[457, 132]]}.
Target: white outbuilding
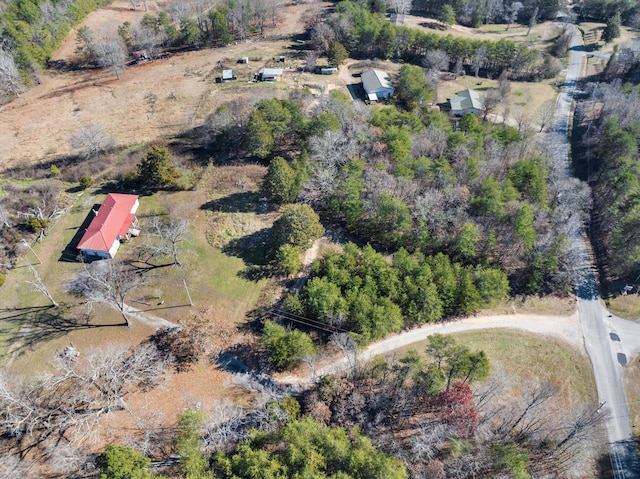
{"points": [[377, 84]]}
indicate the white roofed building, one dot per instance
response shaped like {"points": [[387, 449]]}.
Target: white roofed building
{"points": [[466, 101], [377, 84]]}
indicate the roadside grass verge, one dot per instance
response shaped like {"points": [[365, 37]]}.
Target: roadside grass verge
{"points": [[517, 358], [627, 307], [631, 380], [551, 305]]}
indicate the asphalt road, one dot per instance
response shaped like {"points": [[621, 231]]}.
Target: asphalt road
{"points": [[610, 342]]}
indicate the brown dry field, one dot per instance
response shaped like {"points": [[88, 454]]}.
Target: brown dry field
{"points": [[36, 126]]}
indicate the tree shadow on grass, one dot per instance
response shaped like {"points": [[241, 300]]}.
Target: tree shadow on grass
{"points": [[256, 251], [39, 324], [241, 202]]}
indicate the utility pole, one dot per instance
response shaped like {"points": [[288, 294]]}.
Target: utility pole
{"points": [[31, 249], [184, 281]]}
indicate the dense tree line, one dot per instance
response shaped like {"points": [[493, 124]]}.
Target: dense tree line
{"points": [[474, 13], [604, 10], [477, 192], [358, 290], [370, 34], [612, 163], [387, 418], [31, 30], [416, 415]]}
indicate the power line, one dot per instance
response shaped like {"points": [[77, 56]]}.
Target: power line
{"points": [[308, 322], [298, 316]]}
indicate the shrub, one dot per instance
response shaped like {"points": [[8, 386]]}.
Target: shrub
{"points": [[286, 349], [36, 225], [86, 182]]}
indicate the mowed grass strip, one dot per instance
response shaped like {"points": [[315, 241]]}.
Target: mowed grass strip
{"points": [[632, 388], [548, 305]]}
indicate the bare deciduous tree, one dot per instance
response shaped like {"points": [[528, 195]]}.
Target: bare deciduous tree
{"points": [[512, 13], [39, 286], [76, 394], [310, 61], [10, 81], [224, 427], [547, 110], [521, 117], [90, 140], [106, 282], [491, 101], [400, 7], [5, 217], [12, 466], [109, 51], [345, 343], [167, 237], [493, 8], [479, 57], [322, 35]]}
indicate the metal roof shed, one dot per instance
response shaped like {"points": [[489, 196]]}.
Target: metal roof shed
{"points": [[378, 82], [466, 101], [270, 74]]}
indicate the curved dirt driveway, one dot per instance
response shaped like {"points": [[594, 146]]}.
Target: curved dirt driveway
{"points": [[565, 328]]}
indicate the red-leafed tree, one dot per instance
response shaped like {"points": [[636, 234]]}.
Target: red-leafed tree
{"points": [[455, 407]]}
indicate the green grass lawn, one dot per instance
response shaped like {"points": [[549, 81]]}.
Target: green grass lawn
{"points": [[31, 331]]}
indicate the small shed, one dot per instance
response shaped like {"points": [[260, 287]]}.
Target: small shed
{"points": [[466, 101], [140, 56], [227, 74], [377, 82], [243, 60], [270, 74]]}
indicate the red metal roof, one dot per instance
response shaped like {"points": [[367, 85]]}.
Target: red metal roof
{"points": [[113, 219]]}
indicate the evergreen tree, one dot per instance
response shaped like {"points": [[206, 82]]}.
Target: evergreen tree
{"points": [[157, 169], [337, 54], [412, 88], [298, 226], [123, 462], [281, 183], [258, 138], [193, 462], [612, 30]]}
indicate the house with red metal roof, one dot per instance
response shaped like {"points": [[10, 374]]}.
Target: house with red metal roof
{"points": [[114, 222]]}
